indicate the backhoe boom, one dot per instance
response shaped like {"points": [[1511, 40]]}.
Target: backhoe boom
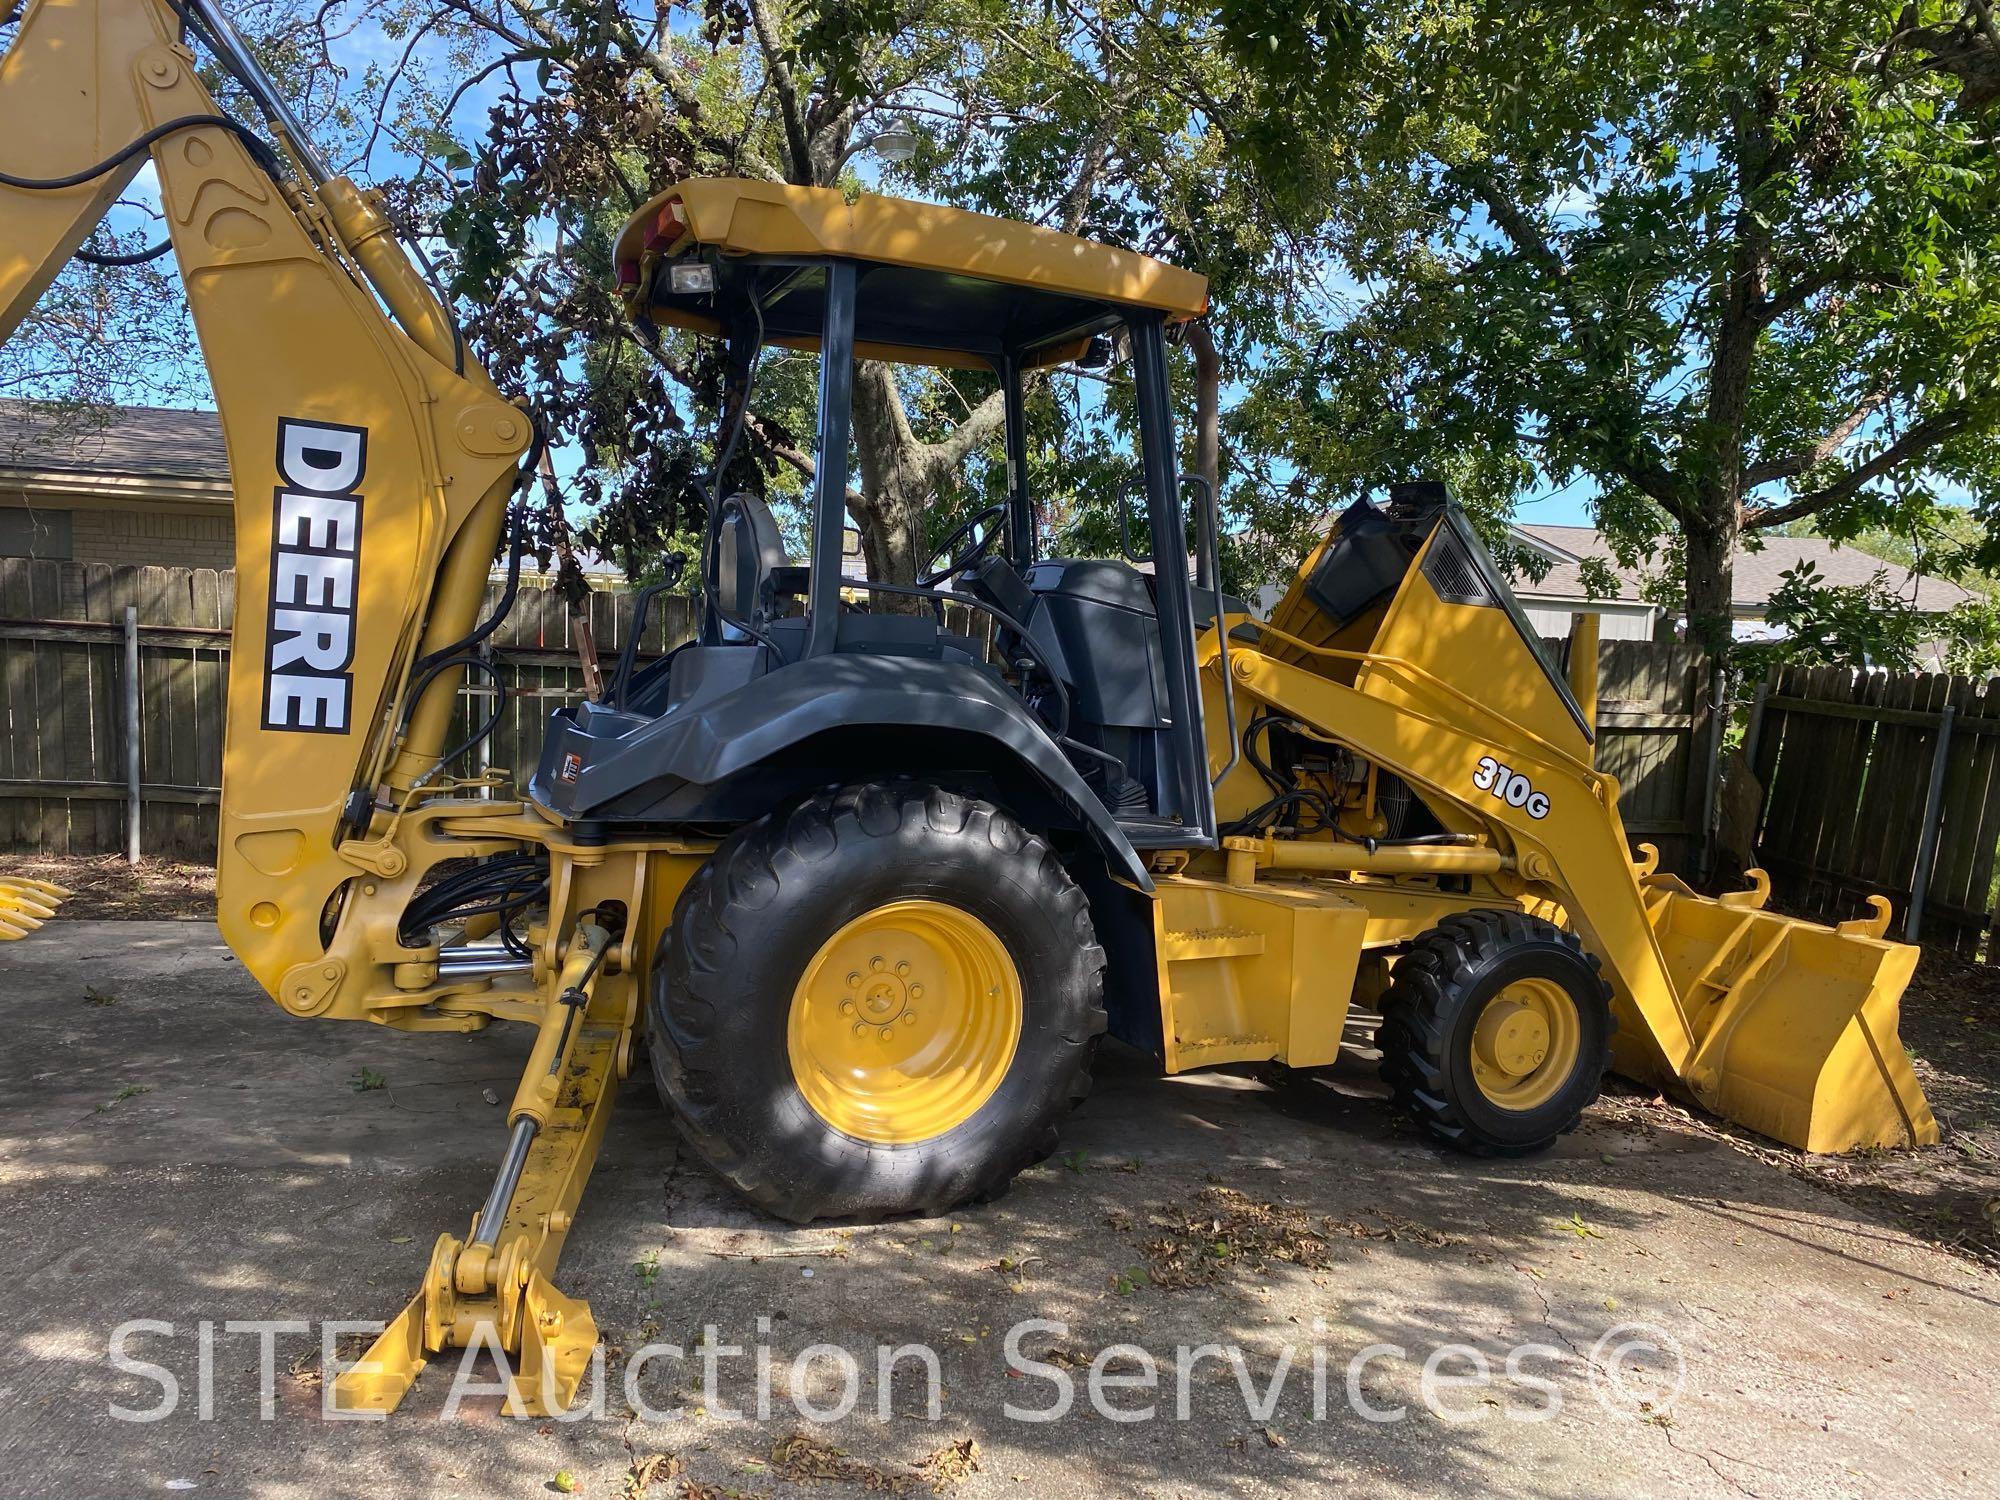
{"points": [[373, 462]]}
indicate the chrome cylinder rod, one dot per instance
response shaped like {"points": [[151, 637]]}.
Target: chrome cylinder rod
{"points": [[480, 963], [493, 1213], [242, 62]]}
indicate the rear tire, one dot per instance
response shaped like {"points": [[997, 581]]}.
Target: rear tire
{"points": [[802, 923], [1496, 1032]]}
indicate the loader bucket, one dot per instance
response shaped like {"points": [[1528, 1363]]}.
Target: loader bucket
{"points": [[25, 904], [1794, 1023]]}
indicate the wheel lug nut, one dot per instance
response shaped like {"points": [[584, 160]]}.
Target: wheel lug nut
{"points": [[903, 967], [916, 992], [853, 980], [847, 1007], [876, 962]]}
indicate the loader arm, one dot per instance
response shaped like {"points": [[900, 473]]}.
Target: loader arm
{"points": [[1782, 1025]]}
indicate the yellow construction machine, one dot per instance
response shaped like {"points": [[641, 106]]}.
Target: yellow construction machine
{"points": [[871, 888]]}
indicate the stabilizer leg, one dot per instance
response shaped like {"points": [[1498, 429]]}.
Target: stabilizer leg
{"points": [[494, 1287]]}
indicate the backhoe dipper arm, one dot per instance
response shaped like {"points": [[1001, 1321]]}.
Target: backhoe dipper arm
{"points": [[372, 460]]}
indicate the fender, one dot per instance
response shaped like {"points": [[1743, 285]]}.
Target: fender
{"points": [[599, 763]]}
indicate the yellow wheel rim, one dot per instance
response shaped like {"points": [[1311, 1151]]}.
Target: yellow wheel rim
{"points": [[905, 1022], [1525, 1044]]}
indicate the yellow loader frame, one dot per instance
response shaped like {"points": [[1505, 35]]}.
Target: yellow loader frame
{"points": [[1782, 1025], [315, 324]]}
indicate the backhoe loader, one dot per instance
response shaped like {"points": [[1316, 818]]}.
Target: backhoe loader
{"points": [[870, 885]]}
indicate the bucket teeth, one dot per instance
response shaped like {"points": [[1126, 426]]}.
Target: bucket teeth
{"points": [[25, 904]]}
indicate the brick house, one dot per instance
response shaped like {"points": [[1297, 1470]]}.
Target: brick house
{"points": [[131, 484]]}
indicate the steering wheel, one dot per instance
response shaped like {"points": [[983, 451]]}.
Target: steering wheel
{"points": [[990, 519]]}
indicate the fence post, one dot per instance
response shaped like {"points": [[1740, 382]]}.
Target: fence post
{"points": [[1913, 921], [132, 782]]}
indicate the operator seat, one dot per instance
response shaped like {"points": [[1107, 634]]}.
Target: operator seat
{"points": [[746, 552]]}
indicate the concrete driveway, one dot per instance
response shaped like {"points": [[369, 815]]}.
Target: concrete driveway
{"points": [[1653, 1312]]}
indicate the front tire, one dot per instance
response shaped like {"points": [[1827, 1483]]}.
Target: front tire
{"points": [[881, 1001], [1496, 1031]]}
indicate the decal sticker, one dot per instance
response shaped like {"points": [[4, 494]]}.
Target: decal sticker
{"points": [[315, 551], [572, 766], [1510, 786]]}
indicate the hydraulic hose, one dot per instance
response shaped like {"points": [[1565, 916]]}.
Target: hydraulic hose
{"points": [[134, 258], [264, 156]]}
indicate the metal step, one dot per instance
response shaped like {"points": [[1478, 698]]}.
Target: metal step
{"points": [[1184, 945]]}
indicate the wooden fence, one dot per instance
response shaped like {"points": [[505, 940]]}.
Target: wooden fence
{"points": [[1882, 785], [62, 679], [1654, 734], [62, 675], [63, 786]]}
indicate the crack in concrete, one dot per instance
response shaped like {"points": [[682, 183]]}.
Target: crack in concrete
{"points": [[1708, 1458], [1548, 1317]]}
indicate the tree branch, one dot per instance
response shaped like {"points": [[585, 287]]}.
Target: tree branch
{"points": [[980, 424], [1795, 464], [780, 74], [793, 457], [1075, 203], [1920, 439], [1740, 296]]}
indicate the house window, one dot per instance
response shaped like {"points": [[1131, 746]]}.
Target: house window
{"points": [[34, 533]]}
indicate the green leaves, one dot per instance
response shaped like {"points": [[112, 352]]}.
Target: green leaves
{"points": [[1645, 252], [1842, 625], [441, 145]]}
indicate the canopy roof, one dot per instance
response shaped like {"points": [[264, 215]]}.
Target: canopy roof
{"points": [[938, 285]]}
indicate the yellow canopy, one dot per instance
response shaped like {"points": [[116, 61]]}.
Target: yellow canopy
{"points": [[939, 291]]}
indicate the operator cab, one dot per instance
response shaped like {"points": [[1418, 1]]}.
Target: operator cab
{"points": [[1067, 678]]}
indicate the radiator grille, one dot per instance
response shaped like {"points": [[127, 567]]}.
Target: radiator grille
{"points": [[1453, 573]]}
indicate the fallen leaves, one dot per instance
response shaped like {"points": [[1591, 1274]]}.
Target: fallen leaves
{"points": [[803, 1459], [655, 1468], [1575, 1225], [1229, 1229], [950, 1466]]}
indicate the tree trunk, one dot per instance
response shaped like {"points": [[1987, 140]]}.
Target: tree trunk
{"points": [[1711, 575], [889, 509], [900, 474]]}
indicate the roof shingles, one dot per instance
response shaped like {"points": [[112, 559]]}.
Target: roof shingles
{"points": [[1757, 573], [151, 442]]}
